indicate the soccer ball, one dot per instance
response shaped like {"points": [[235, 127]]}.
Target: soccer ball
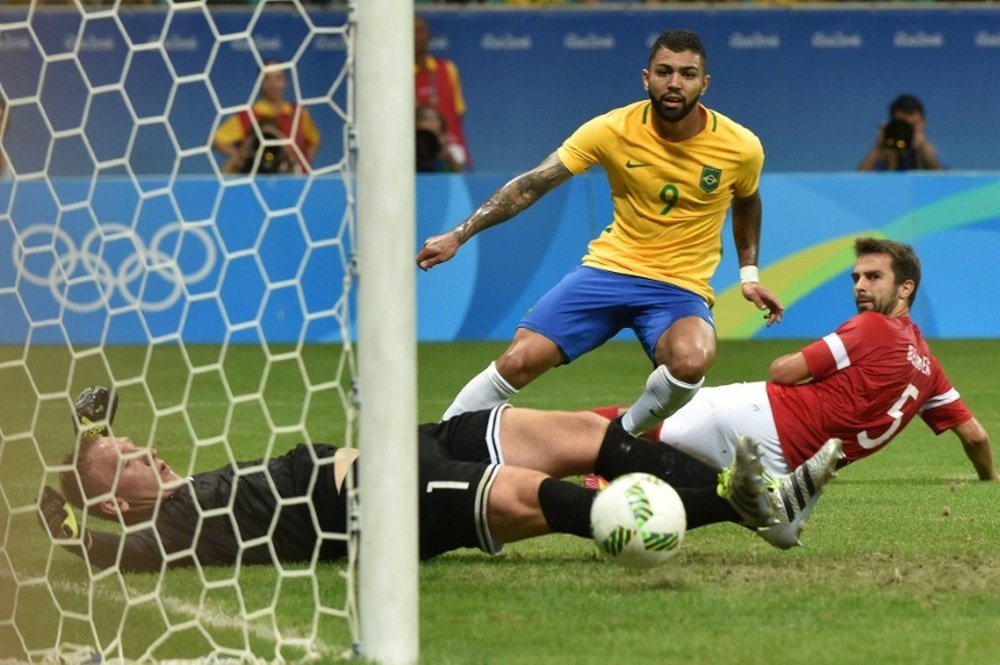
{"points": [[638, 521]]}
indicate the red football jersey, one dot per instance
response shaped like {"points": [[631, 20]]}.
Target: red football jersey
{"points": [[870, 378]]}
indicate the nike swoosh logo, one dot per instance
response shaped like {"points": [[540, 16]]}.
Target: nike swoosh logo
{"points": [[635, 165]]}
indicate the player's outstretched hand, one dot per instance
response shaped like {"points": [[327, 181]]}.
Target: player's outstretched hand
{"points": [[438, 249], [764, 299], [94, 410], [56, 516]]}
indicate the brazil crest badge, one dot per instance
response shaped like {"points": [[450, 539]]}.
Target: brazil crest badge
{"points": [[710, 177]]}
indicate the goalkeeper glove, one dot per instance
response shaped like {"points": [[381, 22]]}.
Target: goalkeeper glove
{"points": [[94, 411], [56, 515]]}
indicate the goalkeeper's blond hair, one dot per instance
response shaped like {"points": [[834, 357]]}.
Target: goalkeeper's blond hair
{"points": [[77, 484]]}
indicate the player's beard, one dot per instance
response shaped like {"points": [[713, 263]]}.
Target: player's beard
{"points": [[881, 306], [673, 116]]}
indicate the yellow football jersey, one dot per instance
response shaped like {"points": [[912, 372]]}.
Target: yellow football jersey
{"points": [[670, 199]]}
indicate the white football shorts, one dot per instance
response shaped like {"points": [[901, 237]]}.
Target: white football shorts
{"points": [[709, 425]]}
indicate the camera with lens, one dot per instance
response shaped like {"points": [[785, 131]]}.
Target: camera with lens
{"points": [[897, 140], [272, 156], [429, 149], [898, 136]]}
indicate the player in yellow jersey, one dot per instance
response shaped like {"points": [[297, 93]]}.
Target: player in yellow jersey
{"points": [[675, 167]]}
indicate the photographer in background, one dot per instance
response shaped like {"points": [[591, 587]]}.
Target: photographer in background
{"points": [[902, 143], [288, 134], [437, 84], [437, 151]]}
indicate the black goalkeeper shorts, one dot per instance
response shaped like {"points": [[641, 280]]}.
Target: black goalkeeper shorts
{"points": [[459, 461]]}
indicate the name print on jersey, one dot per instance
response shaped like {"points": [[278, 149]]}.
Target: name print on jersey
{"points": [[922, 363]]}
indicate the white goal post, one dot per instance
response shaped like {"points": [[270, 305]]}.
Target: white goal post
{"points": [[387, 331]]}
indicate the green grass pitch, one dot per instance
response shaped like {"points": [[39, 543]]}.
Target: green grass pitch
{"points": [[900, 563]]}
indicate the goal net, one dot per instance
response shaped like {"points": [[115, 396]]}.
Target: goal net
{"points": [[214, 298]]}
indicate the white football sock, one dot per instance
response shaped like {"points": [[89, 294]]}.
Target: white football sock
{"points": [[663, 396], [484, 391]]}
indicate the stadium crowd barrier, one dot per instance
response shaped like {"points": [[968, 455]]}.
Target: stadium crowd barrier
{"points": [[133, 266]]}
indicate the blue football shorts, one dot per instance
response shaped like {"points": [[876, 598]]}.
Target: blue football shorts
{"points": [[589, 306]]}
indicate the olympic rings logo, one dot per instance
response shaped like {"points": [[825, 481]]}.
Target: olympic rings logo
{"points": [[75, 265]]}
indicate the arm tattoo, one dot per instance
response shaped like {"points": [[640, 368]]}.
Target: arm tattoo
{"points": [[515, 196], [746, 228]]}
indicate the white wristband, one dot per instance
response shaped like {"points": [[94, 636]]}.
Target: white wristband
{"points": [[749, 274]]}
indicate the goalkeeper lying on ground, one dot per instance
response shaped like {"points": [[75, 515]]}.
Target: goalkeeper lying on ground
{"points": [[486, 478]]}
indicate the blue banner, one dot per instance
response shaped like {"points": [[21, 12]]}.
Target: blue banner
{"points": [[814, 84], [810, 222], [186, 70], [118, 261], [198, 261]]}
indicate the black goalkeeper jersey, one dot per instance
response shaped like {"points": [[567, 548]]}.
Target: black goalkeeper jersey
{"points": [[458, 462], [196, 522]]}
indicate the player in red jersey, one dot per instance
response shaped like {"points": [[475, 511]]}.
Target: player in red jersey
{"points": [[862, 384]]}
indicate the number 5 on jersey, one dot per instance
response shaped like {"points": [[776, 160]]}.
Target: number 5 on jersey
{"points": [[896, 413]]}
